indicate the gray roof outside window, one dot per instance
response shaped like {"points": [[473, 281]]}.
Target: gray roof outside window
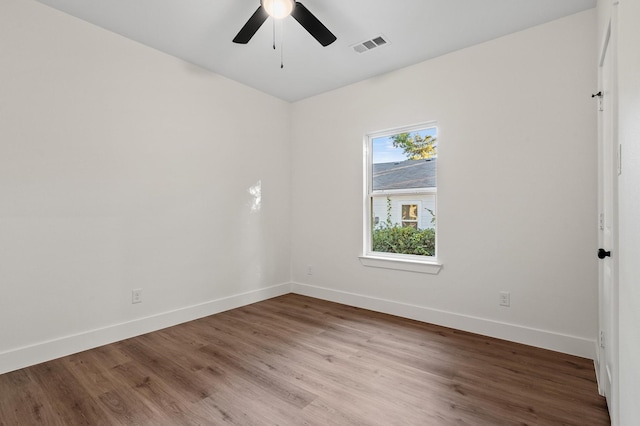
{"points": [[408, 174]]}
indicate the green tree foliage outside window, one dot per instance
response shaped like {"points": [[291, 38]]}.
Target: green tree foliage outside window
{"points": [[405, 240], [415, 147]]}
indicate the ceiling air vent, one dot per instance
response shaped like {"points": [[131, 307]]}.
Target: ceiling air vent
{"points": [[368, 45]]}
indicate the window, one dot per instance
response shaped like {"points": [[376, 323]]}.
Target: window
{"points": [[401, 190], [410, 215]]}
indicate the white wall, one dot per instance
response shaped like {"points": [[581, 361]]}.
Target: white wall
{"points": [[516, 187], [629, 138], [123, 168]]}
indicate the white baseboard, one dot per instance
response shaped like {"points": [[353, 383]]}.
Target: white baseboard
{"points": [[515, 333], [45, 351]]}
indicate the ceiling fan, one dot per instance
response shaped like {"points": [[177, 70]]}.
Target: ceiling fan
{"points": [[279, 9]]}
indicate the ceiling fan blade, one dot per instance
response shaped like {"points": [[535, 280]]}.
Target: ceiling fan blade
{"points": [[312, 25], [252, 26]]}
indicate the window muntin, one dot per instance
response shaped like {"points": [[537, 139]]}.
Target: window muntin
{"points": [[401, 191]]}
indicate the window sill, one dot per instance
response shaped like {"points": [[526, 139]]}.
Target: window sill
{"points": [[420, 266]]}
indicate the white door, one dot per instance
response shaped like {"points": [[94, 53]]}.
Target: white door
{"points": [[608, 170]]}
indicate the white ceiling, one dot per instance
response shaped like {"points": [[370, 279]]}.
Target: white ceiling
{"points": [[200, 32]]}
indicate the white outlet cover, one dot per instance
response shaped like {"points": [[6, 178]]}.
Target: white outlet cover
{"points": [[505, 298]]}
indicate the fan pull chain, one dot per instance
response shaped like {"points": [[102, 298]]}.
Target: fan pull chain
{"points": [[282, 46], [274, 33]]}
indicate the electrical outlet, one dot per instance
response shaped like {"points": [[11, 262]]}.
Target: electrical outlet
{"points": [[505, 298], [136, 295], [309, 270]]}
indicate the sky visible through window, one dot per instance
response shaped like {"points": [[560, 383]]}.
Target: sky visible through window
{"points": [[384, 152]]}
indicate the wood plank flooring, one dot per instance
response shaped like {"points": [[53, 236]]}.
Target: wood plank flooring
{"points": [[294, 360]]}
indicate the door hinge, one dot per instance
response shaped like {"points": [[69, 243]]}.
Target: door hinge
{"points": [[599, 95], [619, 159], [602, 345]]}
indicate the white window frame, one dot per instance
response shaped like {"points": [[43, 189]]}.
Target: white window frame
{"points": [[397, 261]]}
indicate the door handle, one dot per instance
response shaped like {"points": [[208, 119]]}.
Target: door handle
{"points": [[602, 253]]}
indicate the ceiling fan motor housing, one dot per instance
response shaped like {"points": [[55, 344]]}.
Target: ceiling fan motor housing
{"points": [[278, 9]]}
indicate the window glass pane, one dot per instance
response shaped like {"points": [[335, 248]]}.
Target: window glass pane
{"points": [[405, 160]]}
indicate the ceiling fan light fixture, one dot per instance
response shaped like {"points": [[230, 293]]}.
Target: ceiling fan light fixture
{"points": [[278, 9]]}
